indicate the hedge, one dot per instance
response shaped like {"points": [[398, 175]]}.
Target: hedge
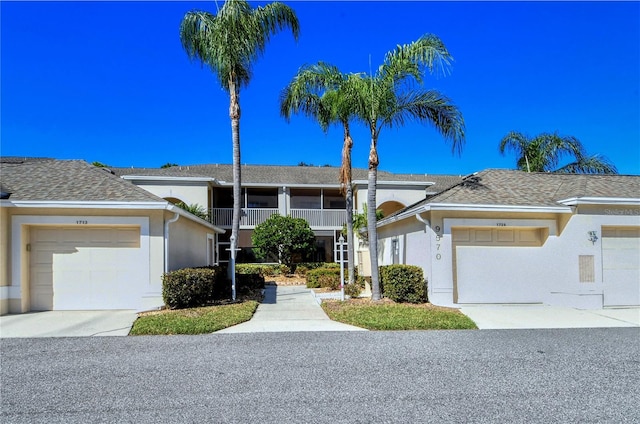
{"points": [[403, 283], [266, 270], [192, 287], [324, 277], [304, 267]]}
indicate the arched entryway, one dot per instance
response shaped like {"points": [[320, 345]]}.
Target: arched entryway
{"points": [[390, 207]]}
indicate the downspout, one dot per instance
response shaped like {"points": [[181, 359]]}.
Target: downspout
{"points": [[166, 240]]}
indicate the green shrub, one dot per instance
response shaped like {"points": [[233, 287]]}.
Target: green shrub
{"points": [[266, 270], [304, 267], [403, 283], [352, 290], [324, 278], [194, 287], [190, 287]]}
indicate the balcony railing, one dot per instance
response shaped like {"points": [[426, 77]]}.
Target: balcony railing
{"points": [[251, 217], [317, 218], [321, 217]]}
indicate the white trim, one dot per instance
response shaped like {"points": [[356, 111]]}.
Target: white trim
{"points": [[85, 204], [336, 185], [472, 208], [142, 178], [74, 204], [573, 201], [211, 256], [495, 208], [399, 183], [17, 244], [192, 217]]}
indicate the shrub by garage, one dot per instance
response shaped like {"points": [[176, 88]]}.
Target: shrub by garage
{"points": [[403, 283], [192, 287]]}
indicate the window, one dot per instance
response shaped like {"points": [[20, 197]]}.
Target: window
{"points": [[333, 200], [262, 197], [305, 199]]}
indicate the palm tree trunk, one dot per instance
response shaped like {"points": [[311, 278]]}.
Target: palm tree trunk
{"points": [[350, 240], [371, 218], [234, 114], [347, 188]]}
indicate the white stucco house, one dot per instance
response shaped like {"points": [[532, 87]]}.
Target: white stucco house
{"points": [[503, 236], [77, 237], [74, 236]]}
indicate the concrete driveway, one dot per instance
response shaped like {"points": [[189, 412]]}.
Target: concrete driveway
{"points": [[67, 324], [547, 316]]}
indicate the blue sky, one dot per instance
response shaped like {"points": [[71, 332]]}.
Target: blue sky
{"points": [[109, 82]]}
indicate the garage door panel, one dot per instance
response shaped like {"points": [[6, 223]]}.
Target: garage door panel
{"points": [[483, 235], [497, 275], [621, 266], [506, 235], [128, 237], [88, 268], [497, 265]]}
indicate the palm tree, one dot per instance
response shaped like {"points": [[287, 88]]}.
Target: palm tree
{"points": [[229, 43], [544, 152], [390, 98], [321, 92]]}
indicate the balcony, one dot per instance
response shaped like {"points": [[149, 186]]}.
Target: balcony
{"points": [[321, 218], [317, 218]]}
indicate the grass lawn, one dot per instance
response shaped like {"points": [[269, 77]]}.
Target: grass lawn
{"points": [[201, 320], [387, 315]]}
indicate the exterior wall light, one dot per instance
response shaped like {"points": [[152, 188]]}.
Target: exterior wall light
{"points": [[593, 237]]}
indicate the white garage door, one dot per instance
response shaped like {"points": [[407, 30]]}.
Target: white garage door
{"points": [[85, 268], [497, 265], [621, 266]]}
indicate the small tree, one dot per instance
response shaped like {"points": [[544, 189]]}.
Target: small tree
{"points": [[282, 237], [360, 223], [194, 209]]}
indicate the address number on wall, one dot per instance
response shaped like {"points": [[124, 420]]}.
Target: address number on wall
{"points": [[82, 222]]}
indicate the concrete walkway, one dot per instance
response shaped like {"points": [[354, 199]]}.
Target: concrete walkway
{"points": [[68, 324], [289, 308], [546, 316]]}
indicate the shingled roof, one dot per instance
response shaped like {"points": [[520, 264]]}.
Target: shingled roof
{"points": [[513, 189], [42, 179], [286, 175], [517, 188]]}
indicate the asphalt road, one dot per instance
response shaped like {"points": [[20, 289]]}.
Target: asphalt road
{"points": [[492, 376]]}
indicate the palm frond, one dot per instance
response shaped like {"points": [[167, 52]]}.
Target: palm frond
{"points": [[231, 41], [595, 164], [432, 108], [410, 60]]}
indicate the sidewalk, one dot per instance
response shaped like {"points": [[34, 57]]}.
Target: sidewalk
{"points": [[289, 308]]}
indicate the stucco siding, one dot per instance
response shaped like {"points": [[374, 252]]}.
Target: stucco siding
{"points": [[401, 194], [187, 244], [187, 192]]}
